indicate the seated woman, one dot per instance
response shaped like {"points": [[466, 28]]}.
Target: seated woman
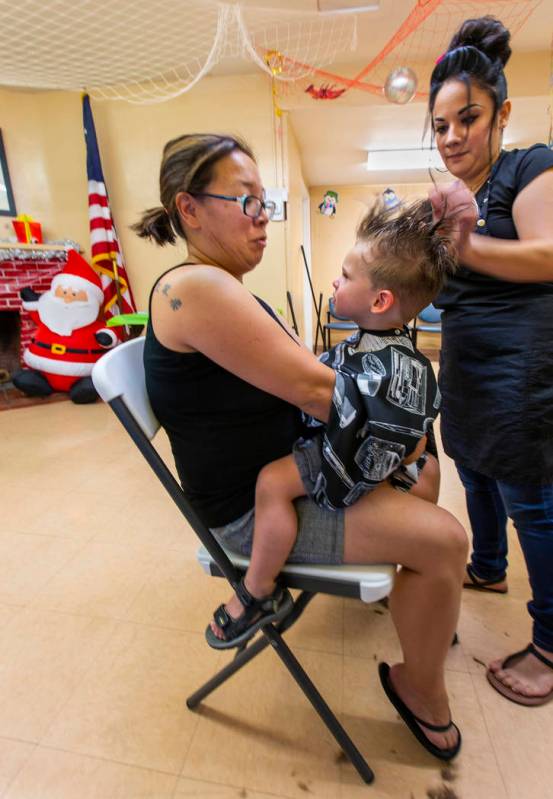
{"points": [[227, 380], [384, 404]]}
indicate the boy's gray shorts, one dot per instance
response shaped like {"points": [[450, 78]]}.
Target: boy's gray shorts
{"points": [[320, 536]]}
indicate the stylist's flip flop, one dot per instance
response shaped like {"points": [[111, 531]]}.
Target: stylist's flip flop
{"points": [[509, 693], [257, 613], [477, 584], [414, 723]]}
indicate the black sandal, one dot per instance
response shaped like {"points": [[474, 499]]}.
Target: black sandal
{"points": [[257, 613], [414, 723]]}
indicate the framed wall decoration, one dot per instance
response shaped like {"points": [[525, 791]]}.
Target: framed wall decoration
{"points": [[7, 203]]}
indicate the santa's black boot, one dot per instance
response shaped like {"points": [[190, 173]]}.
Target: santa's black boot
{"points": [[83, 392], [31, 383]]}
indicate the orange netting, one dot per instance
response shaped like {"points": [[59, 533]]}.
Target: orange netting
{"points": [[421, 39]]}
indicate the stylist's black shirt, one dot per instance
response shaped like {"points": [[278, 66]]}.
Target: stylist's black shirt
{"points": [[496, 362]]}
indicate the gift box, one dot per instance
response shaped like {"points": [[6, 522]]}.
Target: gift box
{"points": [[27, 230]]}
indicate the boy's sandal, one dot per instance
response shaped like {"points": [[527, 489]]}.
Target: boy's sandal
{"points": [[507, 692], [484, 585], [257, 613]]}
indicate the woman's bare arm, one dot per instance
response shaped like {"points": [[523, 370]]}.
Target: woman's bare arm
{"points": [[205, 309], [530, 259]]}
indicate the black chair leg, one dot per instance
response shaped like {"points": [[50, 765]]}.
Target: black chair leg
{"points": [[319, 326], [293, 315], [326, 714], [247, 653], [272, 635], [222, 676]]}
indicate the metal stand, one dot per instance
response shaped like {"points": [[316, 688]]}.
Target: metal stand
{"points": [[292, 314], [317, 307]]}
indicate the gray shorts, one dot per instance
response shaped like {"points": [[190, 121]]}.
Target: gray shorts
{"points": [[320, 536]]}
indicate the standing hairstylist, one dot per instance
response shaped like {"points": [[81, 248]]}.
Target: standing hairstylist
{"points": [[497, 340]]}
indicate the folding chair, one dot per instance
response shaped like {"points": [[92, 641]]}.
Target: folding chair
{"points": [[427, 321], [343, 324], [119, 379]]}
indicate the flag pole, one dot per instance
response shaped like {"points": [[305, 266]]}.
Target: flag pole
{"points": [[113, 257], [118, 290], [106, 251]]}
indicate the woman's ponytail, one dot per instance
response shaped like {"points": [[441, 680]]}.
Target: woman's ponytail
{"points": [[156, 226]]}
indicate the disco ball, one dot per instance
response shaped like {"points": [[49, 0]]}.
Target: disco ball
{"points": [[401, 85]]}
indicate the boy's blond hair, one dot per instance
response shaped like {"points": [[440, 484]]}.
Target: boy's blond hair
{"points": [[411, 253]]}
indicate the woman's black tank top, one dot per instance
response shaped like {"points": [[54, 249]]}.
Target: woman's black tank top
{"points": [[222, 429]]}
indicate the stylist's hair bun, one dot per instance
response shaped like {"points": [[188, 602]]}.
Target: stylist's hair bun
{"points": [[486, 34]]}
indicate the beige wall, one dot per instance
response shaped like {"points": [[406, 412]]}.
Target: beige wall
{"points": [[528, 73], [333, 236], [43, 137], [42, 134], [44, 143]]}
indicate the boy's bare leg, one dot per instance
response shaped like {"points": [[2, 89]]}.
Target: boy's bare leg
{"points": [[275, 531], [276, 523], [428, 485], [390, 526]]}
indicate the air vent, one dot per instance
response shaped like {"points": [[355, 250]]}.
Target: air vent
{"points": [[346, 6]]}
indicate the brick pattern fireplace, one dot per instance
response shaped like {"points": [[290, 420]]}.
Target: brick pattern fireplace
{"points": [[20, 267]]}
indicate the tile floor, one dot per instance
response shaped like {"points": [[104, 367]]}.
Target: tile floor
{"points": [[102, 612]]}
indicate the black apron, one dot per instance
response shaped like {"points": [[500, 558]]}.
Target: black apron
{"points": [[496, 361]]}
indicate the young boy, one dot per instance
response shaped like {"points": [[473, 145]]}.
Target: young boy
{"points": [[384, 403]]}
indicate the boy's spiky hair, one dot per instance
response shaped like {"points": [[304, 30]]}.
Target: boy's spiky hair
{"points": [[411, 253]]}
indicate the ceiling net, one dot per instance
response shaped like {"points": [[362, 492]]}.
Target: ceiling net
{"points": [[147, 51]]}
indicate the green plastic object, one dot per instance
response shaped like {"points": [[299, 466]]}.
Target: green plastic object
{"points": [[139, 318]]}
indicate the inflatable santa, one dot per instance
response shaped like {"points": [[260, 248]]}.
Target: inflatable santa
{"points": [[69, 338]]}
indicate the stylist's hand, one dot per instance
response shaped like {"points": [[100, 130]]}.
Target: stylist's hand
{"points": [[456, 202], [417, 452]]}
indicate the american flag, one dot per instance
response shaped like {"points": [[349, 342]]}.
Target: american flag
{"points": [[107, 258]]}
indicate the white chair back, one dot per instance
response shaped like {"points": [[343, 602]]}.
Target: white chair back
{"points": [[120, 373]]}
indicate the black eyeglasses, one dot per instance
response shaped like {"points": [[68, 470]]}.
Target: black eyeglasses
{"points": [[251, 206]]}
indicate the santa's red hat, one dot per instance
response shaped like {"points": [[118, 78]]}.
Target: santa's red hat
{"points": [[78, 274]]}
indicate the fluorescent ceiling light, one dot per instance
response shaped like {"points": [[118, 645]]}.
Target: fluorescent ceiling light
{"points": [[409, 158], [346, 6]]}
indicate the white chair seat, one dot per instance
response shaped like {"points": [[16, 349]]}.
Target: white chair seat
{"points": [[374, 582]]}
